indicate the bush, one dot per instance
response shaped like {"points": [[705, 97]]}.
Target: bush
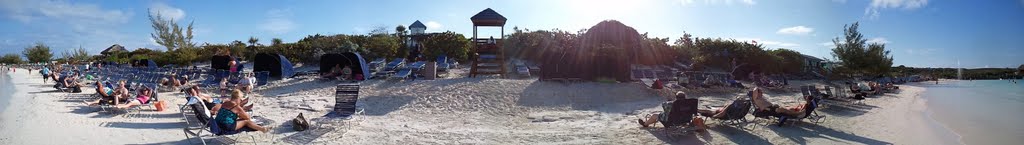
{"points": [[448, 43]]}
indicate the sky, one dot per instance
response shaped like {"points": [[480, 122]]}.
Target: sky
{"points": [[920, 33]]}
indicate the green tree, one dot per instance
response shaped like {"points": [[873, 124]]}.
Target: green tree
{"points": [[383, 46], [791, 62], [858, 57], [400, 31], [169, 34], [448, 43], [75, 56], [253, 41], [38, 53], [276, 41], [11, 58]]}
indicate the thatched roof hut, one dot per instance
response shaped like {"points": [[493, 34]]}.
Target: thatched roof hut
{"points": [[113, 49]]}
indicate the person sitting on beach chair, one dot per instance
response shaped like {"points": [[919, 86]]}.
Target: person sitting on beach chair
{"points": [[246, 83], [334, 73], [142, 98], [676, 112], [106, 94], [760, 102], [231, 116], [173, 81]]}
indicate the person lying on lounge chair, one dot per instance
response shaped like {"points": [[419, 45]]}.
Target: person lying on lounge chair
{"points": [[143, 98], [231, 116], [663, 117], [796, 110]]}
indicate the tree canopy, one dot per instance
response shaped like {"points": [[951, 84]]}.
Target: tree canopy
{"points": [[38, 53], [11, 58], [451, 44], [858, 57]]}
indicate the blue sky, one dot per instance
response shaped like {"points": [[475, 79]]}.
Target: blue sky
{"points": [[920, 33]]}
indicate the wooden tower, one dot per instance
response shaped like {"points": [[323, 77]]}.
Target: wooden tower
{"points": [[487, 57]]}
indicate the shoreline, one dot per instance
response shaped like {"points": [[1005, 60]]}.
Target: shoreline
{"points": [[969, 118], [521, 112]]}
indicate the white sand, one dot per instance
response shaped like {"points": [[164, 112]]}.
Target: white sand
{"points": [[481, 110]]}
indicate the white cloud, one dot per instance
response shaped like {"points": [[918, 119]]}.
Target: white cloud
{"points": [[715, 2], [880, 40], [769, 43], [749, 2], [279, 21], [827, 44], [873, 10], [167, 11], [797, 30], [433, 26], [68, 24]]}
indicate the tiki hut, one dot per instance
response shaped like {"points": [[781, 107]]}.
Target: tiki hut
{"points": [[606, 50], [113, 49]]}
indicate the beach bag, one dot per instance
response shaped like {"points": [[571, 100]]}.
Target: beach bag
{"points": [[159, 106], [300, 123], [698, 123]]}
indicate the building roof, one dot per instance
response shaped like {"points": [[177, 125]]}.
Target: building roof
{"points": [[113, 48], [816, 59], [488, 17], [417, 24]]}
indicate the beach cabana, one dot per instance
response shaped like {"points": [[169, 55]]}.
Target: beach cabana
{"points": [[276, 64], [220, 62], [144, 63], [350, 59]]}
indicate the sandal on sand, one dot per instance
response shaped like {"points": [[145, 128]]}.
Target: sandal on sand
{"points": [[641, 121]]}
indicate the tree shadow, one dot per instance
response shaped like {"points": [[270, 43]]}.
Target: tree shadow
{"points": [[798, 132], [382, 105], [46, 92], [739, 136], [679, 136], [602, 97], [294, 87], [847, 109], [137, 125]]}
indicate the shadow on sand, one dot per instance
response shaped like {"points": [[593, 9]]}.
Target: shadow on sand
{"points": [[847, 109], [603, 97], [798, 132], [679, 136]]}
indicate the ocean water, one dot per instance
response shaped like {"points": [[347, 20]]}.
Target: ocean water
{"points": [[980, 111]]}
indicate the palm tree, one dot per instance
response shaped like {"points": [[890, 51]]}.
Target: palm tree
{"points": [[275, 42], [253, 40]]}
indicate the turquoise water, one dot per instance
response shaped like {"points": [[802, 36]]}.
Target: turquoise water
{"points": [[980, 111]]}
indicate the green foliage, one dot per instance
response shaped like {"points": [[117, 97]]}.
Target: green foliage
{"points": [[858, 59], [448, 43], [530, 45], [76, 56], [384, 46], [276, 41], [791, 62], [11, 58], [169, 34], [38, 53]]}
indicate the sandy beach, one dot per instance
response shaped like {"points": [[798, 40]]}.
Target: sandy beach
{"points": [[463, 110]]}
